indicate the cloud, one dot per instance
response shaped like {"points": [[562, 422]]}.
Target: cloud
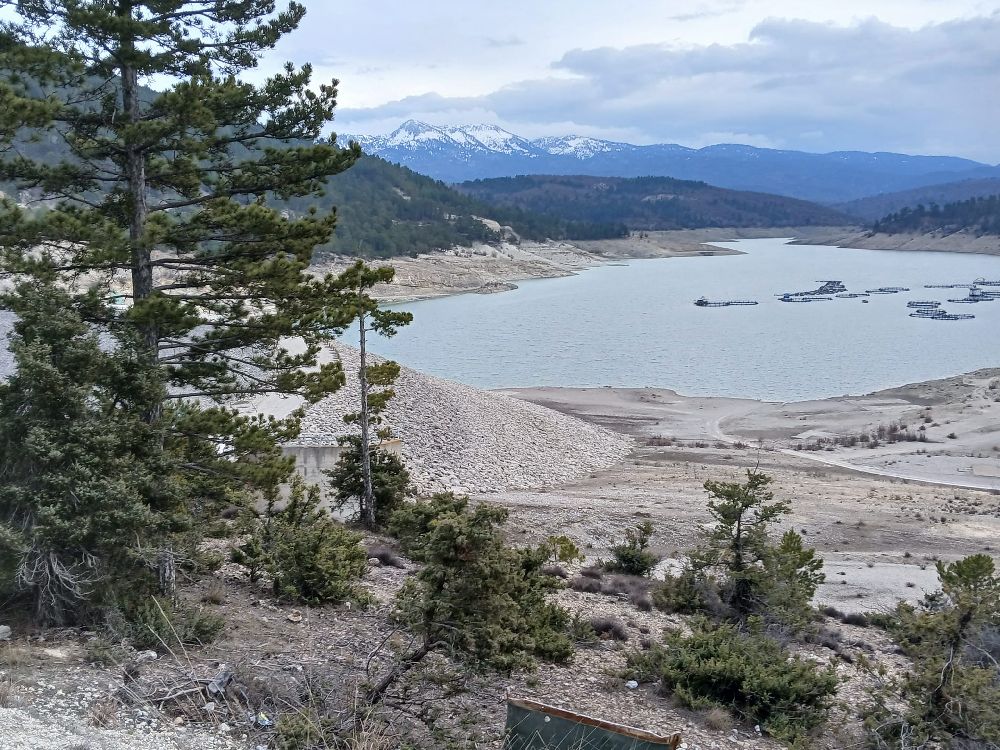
{"points": [[795, 84], [507, 41]]}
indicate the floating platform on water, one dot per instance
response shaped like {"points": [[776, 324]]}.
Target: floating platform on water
{"points": [[919, 303], [829, 287], [704, 302], [940, 315], [790, 298], [888, 290], [852, 295]]}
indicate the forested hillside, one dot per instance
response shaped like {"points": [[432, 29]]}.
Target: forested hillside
{"points": [[976, 215], [385, 210], [876, 206], [649, 203]]}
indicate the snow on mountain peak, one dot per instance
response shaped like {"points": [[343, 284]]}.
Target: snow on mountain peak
{"points": [[413, 132], [490, 137], [579, 146]]}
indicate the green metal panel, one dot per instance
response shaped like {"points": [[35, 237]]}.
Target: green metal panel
{"points": [[534, 726]]}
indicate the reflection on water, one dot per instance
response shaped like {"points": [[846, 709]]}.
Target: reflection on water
{"points": [[636, 325]]}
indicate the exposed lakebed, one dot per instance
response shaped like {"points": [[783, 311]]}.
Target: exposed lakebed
{"points": [[634, 324]]}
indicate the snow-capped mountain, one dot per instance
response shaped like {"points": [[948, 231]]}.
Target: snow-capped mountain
{"points": [[469, 152]]}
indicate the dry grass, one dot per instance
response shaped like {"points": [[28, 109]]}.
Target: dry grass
{"points": [[12, 656], [215, 593], [718, 719], [6, 691], [103, 713]]}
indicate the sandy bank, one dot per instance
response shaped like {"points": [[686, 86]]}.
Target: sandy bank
{"points": [[956, 422], [955, 242]]}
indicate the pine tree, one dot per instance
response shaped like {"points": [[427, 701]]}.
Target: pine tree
{"points": [[475, 598], [82, 489], [952, 690], [390, 481], [164, 198], [357, 281]]}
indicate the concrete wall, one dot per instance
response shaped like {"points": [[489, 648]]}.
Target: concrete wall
{"points": [[312, 460]]}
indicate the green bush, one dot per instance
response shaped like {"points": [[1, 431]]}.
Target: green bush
{"points": [[412, 521], [304, 730], [743, 671], [683, 593], [154, 623], [953, 640], [311, 558], [632, 555]]}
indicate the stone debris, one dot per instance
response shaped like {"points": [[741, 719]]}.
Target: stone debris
{"points": [[455, 437]]}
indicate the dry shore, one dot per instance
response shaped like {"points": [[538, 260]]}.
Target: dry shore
{"points": [[488, 268], [953, 242], [879, 534]]}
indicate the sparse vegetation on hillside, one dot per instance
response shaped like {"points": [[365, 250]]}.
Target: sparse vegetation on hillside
{"points": [[741, 669], [739, 570]]}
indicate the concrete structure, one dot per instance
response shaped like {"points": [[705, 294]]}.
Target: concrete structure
{"points": [[312, 460]]}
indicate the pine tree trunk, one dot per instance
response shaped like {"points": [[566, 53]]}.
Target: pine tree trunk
{"points": [[142, 268], [135, 167], [367, 500]]}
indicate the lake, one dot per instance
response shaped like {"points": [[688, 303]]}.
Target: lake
{"points": [[635, 325]]}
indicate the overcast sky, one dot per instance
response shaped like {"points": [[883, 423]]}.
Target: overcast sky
{"points": [[917, 76]]}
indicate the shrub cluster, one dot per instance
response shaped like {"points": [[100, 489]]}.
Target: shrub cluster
{"points": [[309, 557], [632, 555], [743, 670]]}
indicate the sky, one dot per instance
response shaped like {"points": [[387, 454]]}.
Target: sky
{"points": [[911, 76]]}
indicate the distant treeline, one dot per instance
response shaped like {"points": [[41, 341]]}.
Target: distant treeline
{"points": [[977, 215], [647, 203]]}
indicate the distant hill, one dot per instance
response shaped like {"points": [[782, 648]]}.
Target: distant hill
{"points": [[384, 209], [648, 203], [459, 154], [876, 206], [977, 216]]}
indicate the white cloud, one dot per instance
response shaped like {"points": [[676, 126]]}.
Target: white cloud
{"points": [[813, 85]]}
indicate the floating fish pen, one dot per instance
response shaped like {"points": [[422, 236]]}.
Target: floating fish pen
{"points": [[948, 286], [888, 290], [790, 298], [829, 287], [939, 315], [703, 302], [976, 295], [918, 303], [984, 282], [852, 295]]}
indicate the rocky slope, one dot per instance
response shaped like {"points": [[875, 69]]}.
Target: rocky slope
{"points": [[458, 437]]}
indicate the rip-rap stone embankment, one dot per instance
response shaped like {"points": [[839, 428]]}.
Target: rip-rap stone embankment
{"points": [[455, 437]]}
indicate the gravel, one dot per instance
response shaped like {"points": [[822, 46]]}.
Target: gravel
{"points": [[455, 437]]}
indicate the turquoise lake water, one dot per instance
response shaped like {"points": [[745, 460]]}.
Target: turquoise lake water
{"points": [[635, 325]]}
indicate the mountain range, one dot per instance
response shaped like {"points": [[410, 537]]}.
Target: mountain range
{"points": [[469, 152]]}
